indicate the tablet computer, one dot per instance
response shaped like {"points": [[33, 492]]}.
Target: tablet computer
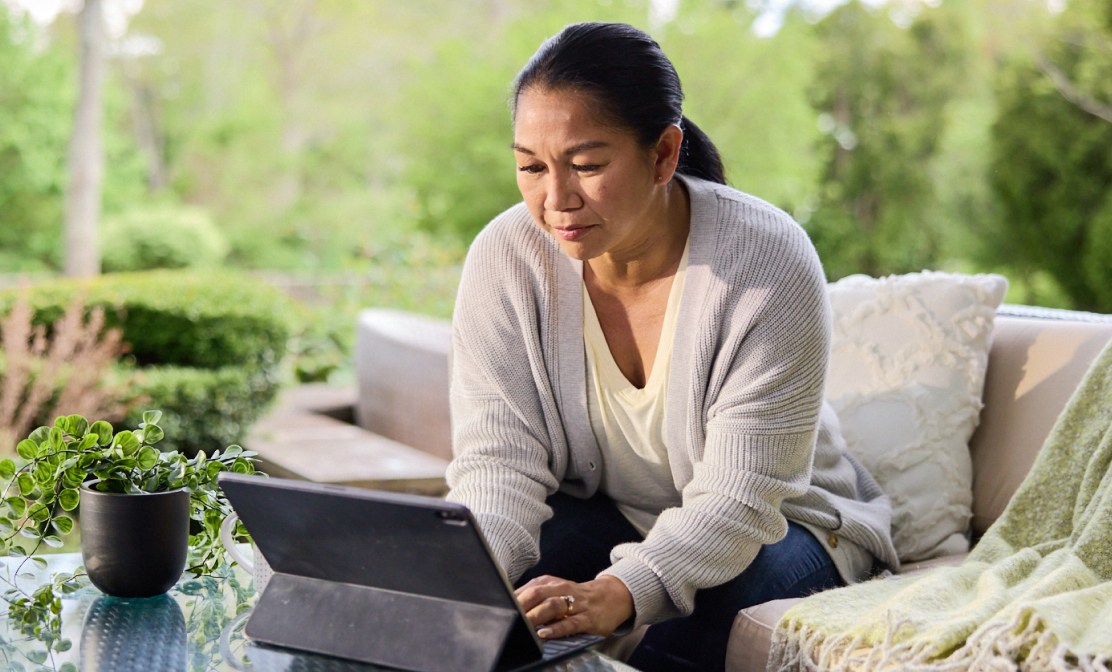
{"points": [[385, 578]]}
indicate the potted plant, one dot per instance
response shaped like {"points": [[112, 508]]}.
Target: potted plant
{"points": [[137, 504]]}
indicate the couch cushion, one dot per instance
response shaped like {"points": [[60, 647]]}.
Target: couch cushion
{"points": [[1034, 367], [907, 368], [751, 635]]}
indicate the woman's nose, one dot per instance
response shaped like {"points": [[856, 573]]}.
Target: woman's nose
{"points": [[561, 194]]}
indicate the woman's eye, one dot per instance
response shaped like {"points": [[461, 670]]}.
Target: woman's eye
{"points": [[534, 169], [586, 169]]}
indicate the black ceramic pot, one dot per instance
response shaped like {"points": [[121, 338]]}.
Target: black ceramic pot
{"points": [[134, 545]]}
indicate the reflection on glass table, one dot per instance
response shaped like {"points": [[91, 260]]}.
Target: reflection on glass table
{"points": [[196, 627]]}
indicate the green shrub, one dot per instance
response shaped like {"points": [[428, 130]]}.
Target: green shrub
{"points": [[207, 347], [204, 409], [206, 320], [162, 236]]}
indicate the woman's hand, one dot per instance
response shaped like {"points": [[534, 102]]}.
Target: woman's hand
{"points": [[598, 606]]}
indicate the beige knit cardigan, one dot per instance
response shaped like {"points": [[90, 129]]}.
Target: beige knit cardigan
{"points": [[744, 399]]}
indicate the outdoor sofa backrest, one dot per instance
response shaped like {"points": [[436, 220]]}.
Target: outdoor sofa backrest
{"points": [[1037, 359]]}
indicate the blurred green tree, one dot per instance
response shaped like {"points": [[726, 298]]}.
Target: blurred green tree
{"points": [[85, 166], [37, 90], [317, 131], [267, 114], [749, 94], [454, 113], [882, 91], [1052, 156], [458, 162]]}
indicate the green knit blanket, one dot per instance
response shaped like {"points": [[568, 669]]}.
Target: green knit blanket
{"points": [[1035, 593]]}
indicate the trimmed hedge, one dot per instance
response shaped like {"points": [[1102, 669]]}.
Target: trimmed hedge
{"points": [[180, 318], [204, 409], [207, 345]]}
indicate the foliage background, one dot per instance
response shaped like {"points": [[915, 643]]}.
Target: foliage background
{"points": [[356, 147]]}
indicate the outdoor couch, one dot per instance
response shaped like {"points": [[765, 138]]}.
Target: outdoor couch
{"points": [[1037, 359]]}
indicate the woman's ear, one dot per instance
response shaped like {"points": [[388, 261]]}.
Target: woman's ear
{"points": [[666, 153]]}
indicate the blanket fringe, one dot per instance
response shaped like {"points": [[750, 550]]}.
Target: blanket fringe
{"points": [[1022, 645]]}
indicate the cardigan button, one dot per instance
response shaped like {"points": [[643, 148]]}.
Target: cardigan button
{"points": [[832, 540]]}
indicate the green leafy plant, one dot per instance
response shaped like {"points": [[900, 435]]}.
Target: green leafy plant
{"points": [[211, 604], [59, 459], [38, 617], [209, 612], [45, 487]]}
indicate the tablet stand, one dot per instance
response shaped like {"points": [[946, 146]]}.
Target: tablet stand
{"points": [[384, 627]]}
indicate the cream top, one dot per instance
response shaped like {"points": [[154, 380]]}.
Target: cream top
{"points": [[628, 422]]}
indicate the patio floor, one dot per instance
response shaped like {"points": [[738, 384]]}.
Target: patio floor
{"points": [[310, 435]]}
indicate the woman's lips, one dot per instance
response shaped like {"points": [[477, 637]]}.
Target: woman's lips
{"points": [[572, 234]]}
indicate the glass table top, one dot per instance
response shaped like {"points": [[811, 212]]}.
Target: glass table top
{"points": [[196, 627]]}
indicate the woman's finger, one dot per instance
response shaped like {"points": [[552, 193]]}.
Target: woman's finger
{"points": [[565, 627], [551, 609], [529, 590], [532, 595], [542, 580]]}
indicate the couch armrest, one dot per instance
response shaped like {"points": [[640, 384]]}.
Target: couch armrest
{"points": [[751, 635]]}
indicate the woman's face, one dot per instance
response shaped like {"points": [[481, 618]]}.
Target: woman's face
{"points": [[588, 184]]}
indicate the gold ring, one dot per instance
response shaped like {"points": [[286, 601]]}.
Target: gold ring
{"points": [[569, 601]]}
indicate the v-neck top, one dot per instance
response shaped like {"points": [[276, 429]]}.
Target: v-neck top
{"points": [[628, 422]]}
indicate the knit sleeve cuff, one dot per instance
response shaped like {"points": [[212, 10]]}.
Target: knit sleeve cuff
{"points": [[651, 603], [509, 543]]}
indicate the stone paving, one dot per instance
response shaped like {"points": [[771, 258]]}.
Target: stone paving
{"points": [[309, 435]]}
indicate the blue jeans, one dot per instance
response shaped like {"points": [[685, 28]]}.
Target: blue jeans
{"points": [[576, 543]]}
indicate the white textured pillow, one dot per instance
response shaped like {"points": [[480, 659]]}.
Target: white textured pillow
{"points": [[906, 375]]}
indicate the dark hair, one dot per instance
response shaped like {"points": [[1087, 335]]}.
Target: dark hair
{"points": [[635, 85]]}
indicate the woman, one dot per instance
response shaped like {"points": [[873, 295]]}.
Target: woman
{"points": [[639, 361]]}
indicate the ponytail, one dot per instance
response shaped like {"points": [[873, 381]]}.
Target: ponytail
{"points": [[698, 155]]}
